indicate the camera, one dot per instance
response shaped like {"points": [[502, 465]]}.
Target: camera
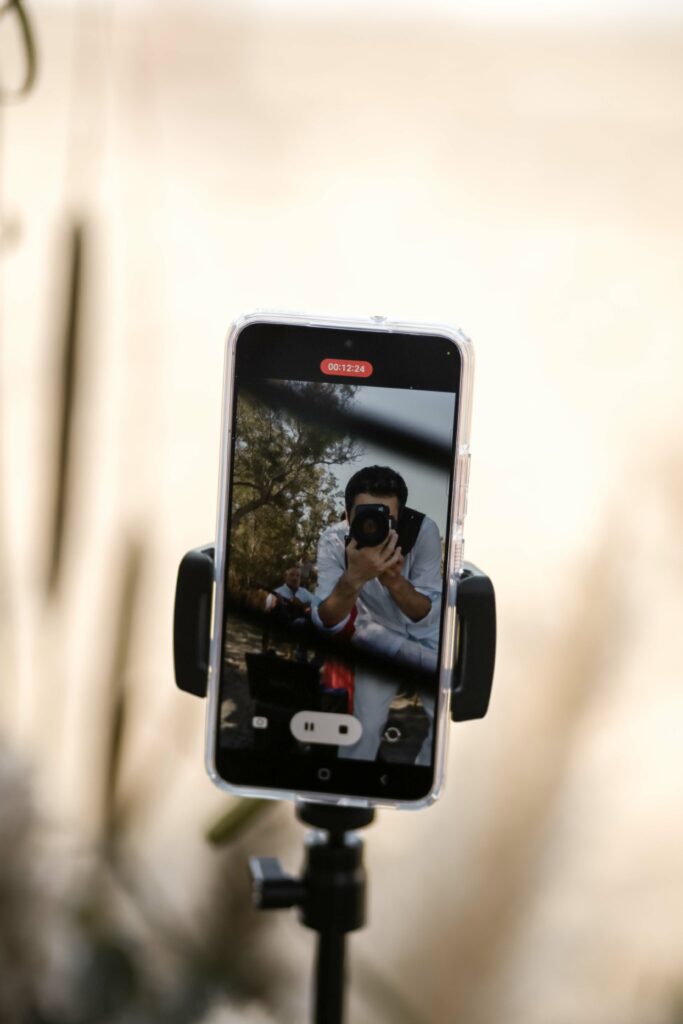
{"points": [[371, 525]]}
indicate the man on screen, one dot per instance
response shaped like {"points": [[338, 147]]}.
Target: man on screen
{"points": [[383, 597]]}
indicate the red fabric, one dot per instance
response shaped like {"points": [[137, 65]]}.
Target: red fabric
{"points": [[335, 674]]}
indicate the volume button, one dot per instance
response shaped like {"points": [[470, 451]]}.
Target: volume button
{"points": [[465, 471], [464, 484]]}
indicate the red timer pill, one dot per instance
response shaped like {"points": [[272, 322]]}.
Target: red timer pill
{"points": [[346, 367]]}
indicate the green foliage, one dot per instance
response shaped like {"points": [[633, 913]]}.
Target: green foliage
{"points": [[284, 493]]}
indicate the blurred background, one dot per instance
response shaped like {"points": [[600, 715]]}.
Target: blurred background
{"points": [[512, 168]]}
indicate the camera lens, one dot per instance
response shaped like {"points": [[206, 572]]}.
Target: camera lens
{"points": [[371, 525]]}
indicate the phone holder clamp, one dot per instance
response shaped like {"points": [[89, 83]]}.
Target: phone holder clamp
{"points": [[475, 640]]}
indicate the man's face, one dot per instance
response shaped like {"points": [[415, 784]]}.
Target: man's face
{"points": [[293, 578], [376, 499]]}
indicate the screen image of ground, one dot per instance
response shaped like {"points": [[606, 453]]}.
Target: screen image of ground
{"points": [[335, 577]]}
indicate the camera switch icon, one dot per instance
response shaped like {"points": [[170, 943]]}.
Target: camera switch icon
{"points": [[259, 722], [325, 727]]}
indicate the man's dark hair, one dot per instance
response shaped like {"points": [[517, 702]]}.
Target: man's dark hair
{"points": [[379, 481]]}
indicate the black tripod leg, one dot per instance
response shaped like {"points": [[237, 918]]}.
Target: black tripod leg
{"points": [[329, 978]]}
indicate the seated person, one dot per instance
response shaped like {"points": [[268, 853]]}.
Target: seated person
{"points": [[291, 598]]}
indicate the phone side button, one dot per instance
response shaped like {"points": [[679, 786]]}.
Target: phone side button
{"points": [[464, 481]]}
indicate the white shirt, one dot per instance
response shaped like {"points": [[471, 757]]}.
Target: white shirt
{"points": [[380, 621], [301, 594]]}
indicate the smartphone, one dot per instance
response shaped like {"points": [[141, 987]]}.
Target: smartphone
{"points": [[343, 486]]}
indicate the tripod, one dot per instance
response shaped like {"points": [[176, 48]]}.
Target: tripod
{"points": [[330, 892]]}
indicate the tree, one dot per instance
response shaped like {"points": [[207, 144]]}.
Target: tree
{"points": [[284, 493]]}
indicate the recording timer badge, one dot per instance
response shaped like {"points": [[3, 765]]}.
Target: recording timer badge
{"points": [[346, 367]]}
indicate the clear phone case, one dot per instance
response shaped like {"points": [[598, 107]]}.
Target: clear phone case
{"points": [[453, 569]]}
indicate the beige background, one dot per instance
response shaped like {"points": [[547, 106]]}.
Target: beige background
{"points": [[519, 179]]}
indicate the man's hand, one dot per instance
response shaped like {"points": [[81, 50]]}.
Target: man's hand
{"points": [[362, 564], [393, 573], [365, 564], [384, 563], [411, 602]]}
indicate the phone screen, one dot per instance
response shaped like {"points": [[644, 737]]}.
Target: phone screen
{"points": [[337, 519]]}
